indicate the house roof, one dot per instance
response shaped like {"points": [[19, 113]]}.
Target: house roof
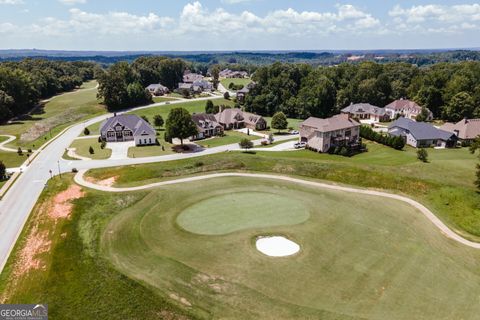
{"points": [[364, 108], [420, 130], [192, 77], [205, 121], [338, 122], [232, 115], [129, 121], [156, 86], [467, 128], [403, 104]]}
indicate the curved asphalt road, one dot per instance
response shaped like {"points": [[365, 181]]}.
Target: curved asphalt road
{"points": [[425, 211]]}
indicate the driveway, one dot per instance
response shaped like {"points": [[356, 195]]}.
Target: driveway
{"points": [[120, 149]]}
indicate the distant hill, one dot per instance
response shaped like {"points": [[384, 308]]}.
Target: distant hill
{"points": [[327, 57]]}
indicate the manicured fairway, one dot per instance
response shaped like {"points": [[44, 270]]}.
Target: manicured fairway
{"points": [[361, 257], [232, 212]]}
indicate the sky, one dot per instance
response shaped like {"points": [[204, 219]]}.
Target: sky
{"points": [[176, 25]]}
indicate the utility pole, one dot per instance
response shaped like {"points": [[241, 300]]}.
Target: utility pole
{"points": [[59, 172], [51, 174]]}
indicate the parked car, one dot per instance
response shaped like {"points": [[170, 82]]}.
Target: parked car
{"points": [[294, 132], [300, 145]]}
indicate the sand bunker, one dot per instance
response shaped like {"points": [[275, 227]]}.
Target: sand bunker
{"points": [[277, 246]]}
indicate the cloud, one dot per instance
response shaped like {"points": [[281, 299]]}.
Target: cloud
{"points": [[11, 1], [235, 1], [434, 18], [72, 2]]}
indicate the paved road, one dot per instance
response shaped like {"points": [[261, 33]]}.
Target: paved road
{"points": [[425, 211], [19, 201]]}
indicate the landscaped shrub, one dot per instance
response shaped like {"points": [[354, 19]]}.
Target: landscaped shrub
{"points": [[103, 144], [391, 141], [90, 150], [86, 131]]}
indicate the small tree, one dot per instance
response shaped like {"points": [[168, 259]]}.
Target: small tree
{"points": [[146, 119], [209, 107], [226, 95], [19, 151], [423, 115], [90, 150], [279, 121], [3, 171], [245, 144], [422, 155], [86, 131], [180, 125], [158, 120], [103, 144]]}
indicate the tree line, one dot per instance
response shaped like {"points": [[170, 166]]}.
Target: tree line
{"points": [[123, 85], [24, 83], [450, 90]]}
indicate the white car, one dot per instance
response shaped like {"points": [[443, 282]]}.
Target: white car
{"points": [[294, 132], [300, 145]]}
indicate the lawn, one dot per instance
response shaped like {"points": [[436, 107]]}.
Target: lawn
{"points": [[69, 271], [82, 148], [150, 151], [230, 137], [190, 249], [445, 184], [58, 113], [235, 81], [12, 159], [163, 99]]}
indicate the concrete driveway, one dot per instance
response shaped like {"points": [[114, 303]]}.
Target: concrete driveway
{"points": [[120, 149]]}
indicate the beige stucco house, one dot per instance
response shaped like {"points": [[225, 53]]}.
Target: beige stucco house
{"points": [[322, 134]]}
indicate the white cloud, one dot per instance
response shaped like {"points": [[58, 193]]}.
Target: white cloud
{"points": [[434, 18], [72, 2], [235, 1], [11, 1]]}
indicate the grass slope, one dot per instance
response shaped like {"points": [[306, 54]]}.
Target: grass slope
{"points": [[235, 81], [445, 184], [230, 137], [362, 257], [58, 113], [74, 279]]}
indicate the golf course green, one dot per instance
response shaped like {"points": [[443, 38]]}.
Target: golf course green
{"points": [[232, 212], [362, 257]]}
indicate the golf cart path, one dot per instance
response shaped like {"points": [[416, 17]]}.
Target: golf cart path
{"points": [[79, 178], [4, 143]]}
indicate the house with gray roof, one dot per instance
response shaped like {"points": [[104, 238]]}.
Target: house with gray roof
{"points": [[207, 126], [128, 127], [421, 134], [322, 134], [366, 111]]}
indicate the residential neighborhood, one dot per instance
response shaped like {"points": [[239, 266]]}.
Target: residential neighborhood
{"points": [[238, 159]]}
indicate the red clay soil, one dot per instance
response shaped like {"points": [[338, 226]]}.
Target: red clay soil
{"points": [[62, 206]]}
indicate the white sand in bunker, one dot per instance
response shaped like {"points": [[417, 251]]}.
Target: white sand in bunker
{"points": [[277, 246]]}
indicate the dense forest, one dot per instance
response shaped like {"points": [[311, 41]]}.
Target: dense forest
{"points": [[24, 83], [122, 85], [450, 90]]}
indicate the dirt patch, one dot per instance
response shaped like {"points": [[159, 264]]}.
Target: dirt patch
{"points": [[62, 206], [36, 244], [109, 182], [215, 283]]}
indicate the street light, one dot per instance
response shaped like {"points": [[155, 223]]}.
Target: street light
{"points": [[59, 172], [51, 174]]}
